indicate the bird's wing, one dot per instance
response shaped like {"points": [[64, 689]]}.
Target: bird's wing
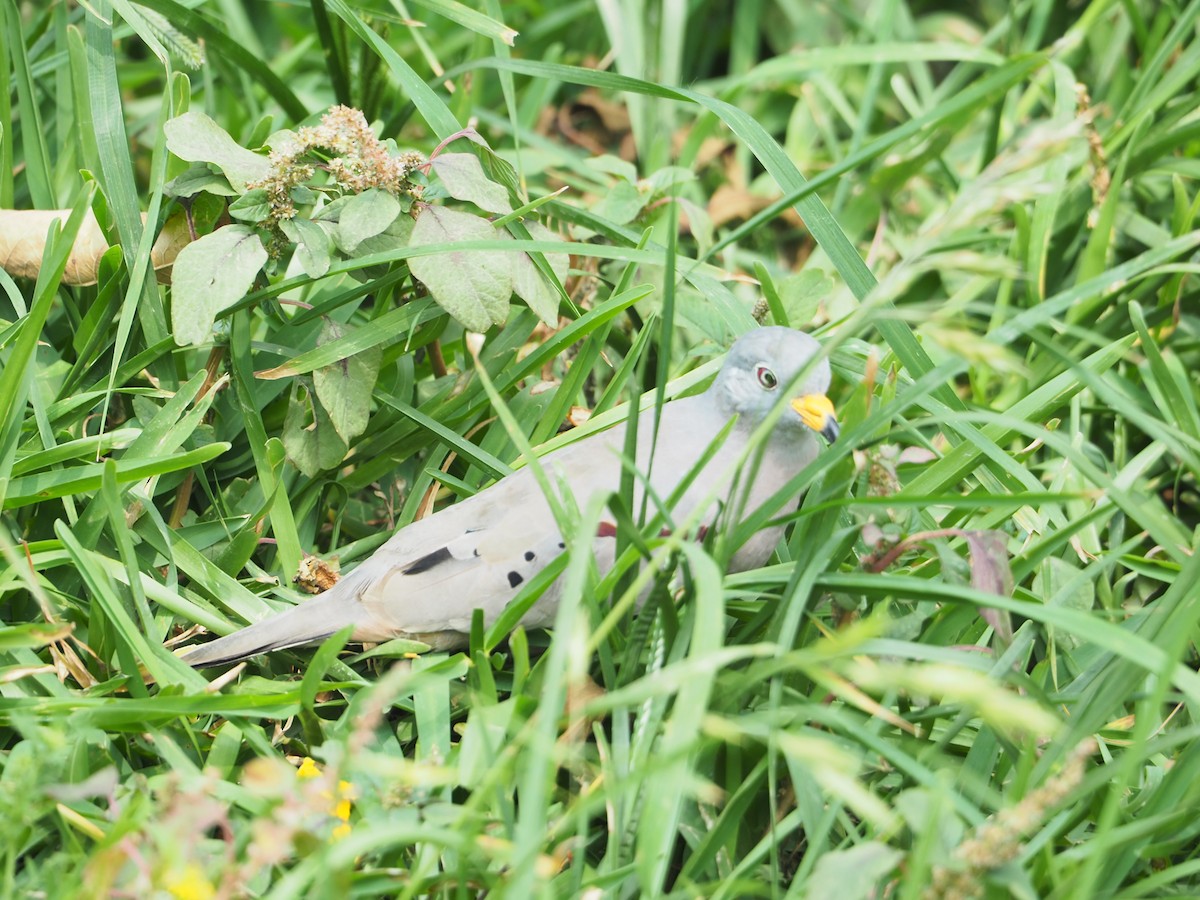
{"points": [[479, 553]]}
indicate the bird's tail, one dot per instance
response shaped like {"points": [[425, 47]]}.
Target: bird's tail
{"points": [[309, 622]]}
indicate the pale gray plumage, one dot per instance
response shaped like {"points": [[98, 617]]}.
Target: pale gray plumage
{"points": [[428, 579]]}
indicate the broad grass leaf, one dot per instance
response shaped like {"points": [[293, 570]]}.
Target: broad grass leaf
{"points": [[463, 176], [211, 274], [344, 388], [473, 286], [197, 138], [32, 634]]}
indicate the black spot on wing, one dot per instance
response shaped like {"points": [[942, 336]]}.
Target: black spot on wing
{"points": [[514, 578], [428, 561], [529, 555]]}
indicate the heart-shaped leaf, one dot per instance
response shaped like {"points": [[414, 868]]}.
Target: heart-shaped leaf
{"points": [[363, 216], [464, 179], [312, 443], [344, 388], [474, 286], [313, 245], [530, 285], [197, 138], [211, 274]]}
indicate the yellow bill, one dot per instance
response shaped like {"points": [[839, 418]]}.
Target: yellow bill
{"points": [[816, 411]]}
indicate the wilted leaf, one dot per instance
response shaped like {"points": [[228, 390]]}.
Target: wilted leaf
{"points": [[915, 456], [473, 286], [313, 245], [853, 873], [872, 534], [530, 285], [991, 573], [732, 202], [211, 274], [363, 216], [311, 447], [197, 138], [344, 388], [464, 179], [316, 575]]}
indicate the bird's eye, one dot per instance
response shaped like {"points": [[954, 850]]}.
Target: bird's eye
{"points": [[766, 378]]}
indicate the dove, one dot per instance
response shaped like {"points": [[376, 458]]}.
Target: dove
{"points": [[427, 580]]}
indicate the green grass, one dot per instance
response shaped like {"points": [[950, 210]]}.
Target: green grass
{"points": [[1003, 269]]}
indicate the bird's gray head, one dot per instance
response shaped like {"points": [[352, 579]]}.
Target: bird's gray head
{"points": [[767, 361]]}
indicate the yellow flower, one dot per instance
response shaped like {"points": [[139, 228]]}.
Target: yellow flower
{"points": [[345, 794], [191, 884], [340, 805]]}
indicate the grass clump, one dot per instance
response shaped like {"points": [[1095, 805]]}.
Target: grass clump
{"points": [[968, 671]]}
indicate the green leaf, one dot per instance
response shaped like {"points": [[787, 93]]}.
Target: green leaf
{"points": [[471, 19], [699, 223], [363, 216], [314, 247], [1062, 584], [395, 236], [464, 179], [530, 285], [473, 286], [344, 388], [197, 138], [802, 294], [621, 204], [853, 873], [80, 479], [32, 635], [315, 446], [669, 176], [613, 165], [200, 178], [253, 206], [210, 275]]}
